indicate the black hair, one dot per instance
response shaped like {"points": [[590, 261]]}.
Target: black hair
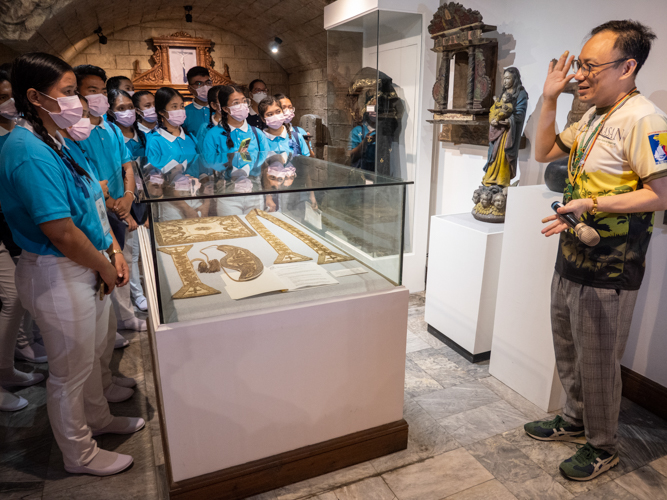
{"points": [[136, 98], [83, 70], [112, 96], [5, 76], [39, 71], [212, 96], [6, 67], [115, 81], [162, 98], [197, 71], [223, 97], [266, 103], [254, 82], [280, 97], [633, 39]]}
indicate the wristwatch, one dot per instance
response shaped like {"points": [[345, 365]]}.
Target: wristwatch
{"points": [[113, 252], [594, 210]]}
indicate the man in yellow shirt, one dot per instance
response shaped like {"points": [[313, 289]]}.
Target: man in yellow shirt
{"points": [[617, 179]]}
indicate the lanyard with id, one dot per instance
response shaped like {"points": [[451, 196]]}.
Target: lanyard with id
{"points": [[102, 212]]}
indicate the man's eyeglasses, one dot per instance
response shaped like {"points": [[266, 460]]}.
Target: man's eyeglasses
{"points": [[201, 84], [587, 68]]}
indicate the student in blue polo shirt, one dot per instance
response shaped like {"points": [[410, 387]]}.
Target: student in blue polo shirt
{"points": [[280, 140], [169, 145], [144, 103], [8, 114], [222, 141], [56, 212], [288, 113], [106, 150], [122, 114], [214, 117], [197, 112]]}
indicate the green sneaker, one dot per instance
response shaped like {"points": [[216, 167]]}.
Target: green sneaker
{"points": [[555, 430], [588, 463]]}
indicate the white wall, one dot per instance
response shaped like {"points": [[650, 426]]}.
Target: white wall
{"points": [[530, 34]]}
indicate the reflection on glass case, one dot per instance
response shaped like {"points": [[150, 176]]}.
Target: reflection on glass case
{"points": [[268, 230]]}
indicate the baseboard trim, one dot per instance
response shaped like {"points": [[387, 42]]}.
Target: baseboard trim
{"points": [[473, 358], [645, 392], [267, 474]]}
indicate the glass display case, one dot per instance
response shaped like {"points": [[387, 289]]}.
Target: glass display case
{"points": [[268, 230], [373, 70]]}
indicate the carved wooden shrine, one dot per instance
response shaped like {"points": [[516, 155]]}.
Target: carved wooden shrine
{"points": [[457, 34], [160, 74]]}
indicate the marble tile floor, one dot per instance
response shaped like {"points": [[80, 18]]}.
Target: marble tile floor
{"points": [[466, 442]]}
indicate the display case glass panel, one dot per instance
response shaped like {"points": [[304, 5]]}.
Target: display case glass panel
{"points": [[373, 69], [268, 230]]}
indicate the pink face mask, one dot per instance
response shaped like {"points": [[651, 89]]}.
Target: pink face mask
{"points": [[71, 110], [239, 112], [149, 115], [80, 130], [275, 121], [8, 109], [98, 104], [202, 92], [176, 117], [289, 115], [126, 118]]}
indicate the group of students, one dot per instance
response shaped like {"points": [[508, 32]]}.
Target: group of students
{"points": [[68, 141]]}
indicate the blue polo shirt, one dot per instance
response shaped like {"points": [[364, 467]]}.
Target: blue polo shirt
{"points": [[201, 134], [195, 116], [137, 149], [357, 135], [285, 142], [4, 135], [163, 147], [79, 156], [36, 186], [105, 149], [215, 149]]}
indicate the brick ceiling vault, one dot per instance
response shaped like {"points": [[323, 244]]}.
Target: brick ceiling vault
{"points": [[65, 27]]}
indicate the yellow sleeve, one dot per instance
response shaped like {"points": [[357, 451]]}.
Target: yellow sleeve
{"points": [[645, 147], [566, 138]]}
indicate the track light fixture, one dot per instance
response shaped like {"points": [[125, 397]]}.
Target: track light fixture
{"points": [[188, 16], [103, 40], [275, 44]]}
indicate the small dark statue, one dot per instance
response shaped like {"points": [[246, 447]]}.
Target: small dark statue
{"points": [[505, 127]]}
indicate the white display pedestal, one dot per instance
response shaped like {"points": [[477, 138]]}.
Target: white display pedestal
{"points": [[523, 353], [463, 267]]}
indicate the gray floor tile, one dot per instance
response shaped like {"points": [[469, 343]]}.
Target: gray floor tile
{"points": [[417, 300], [482, 422], [642, 436], [326, 482], [491, 490], [608, 491], [415, 343], [437, 477], [129, 485], [660, 465], [417, 381], [530, 410], [463, 397], [373, 488], [645, 484], [440, 368], [21, 490]]}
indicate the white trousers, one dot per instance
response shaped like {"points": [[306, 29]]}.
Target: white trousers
{"points": [[121, 297], [12, 311], [63, 299], [137, 291]]}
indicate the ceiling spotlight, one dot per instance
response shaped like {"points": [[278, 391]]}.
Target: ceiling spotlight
{"points": [[100, 36], [275, 44], [188, 16]]}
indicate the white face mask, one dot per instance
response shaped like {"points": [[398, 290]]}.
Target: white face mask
{"points": [[239, 112], [258, 97], [177, 117], [8, 109], [289, 115], [80, 131], [71, 110], [126, 118], [202, 92], [149, 115], [130, 92], [276, 121], [98, 104]]}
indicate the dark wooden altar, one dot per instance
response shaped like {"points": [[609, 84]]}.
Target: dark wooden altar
{"points": [[457, 34], [159, 75]]}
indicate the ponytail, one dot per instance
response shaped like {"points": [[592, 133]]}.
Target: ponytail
{"points": [[39, 71]]}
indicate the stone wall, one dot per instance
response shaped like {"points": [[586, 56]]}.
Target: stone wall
{"points": [[128, 46]]}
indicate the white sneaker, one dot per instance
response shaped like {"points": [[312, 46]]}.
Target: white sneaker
{"points": [[105, 463], [142, 303], [122, 425], [34, 353], [124, 381], [11, 402], [120, 342], [133, 324], [117, 394], [21, 379]]}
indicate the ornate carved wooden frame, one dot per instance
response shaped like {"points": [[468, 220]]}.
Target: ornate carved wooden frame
{"points": [[159, 75]]}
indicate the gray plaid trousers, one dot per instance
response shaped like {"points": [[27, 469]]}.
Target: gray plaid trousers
{"points": [[590, 328]]}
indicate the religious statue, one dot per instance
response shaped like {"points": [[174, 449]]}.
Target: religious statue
{"points": [[506, 119]]}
